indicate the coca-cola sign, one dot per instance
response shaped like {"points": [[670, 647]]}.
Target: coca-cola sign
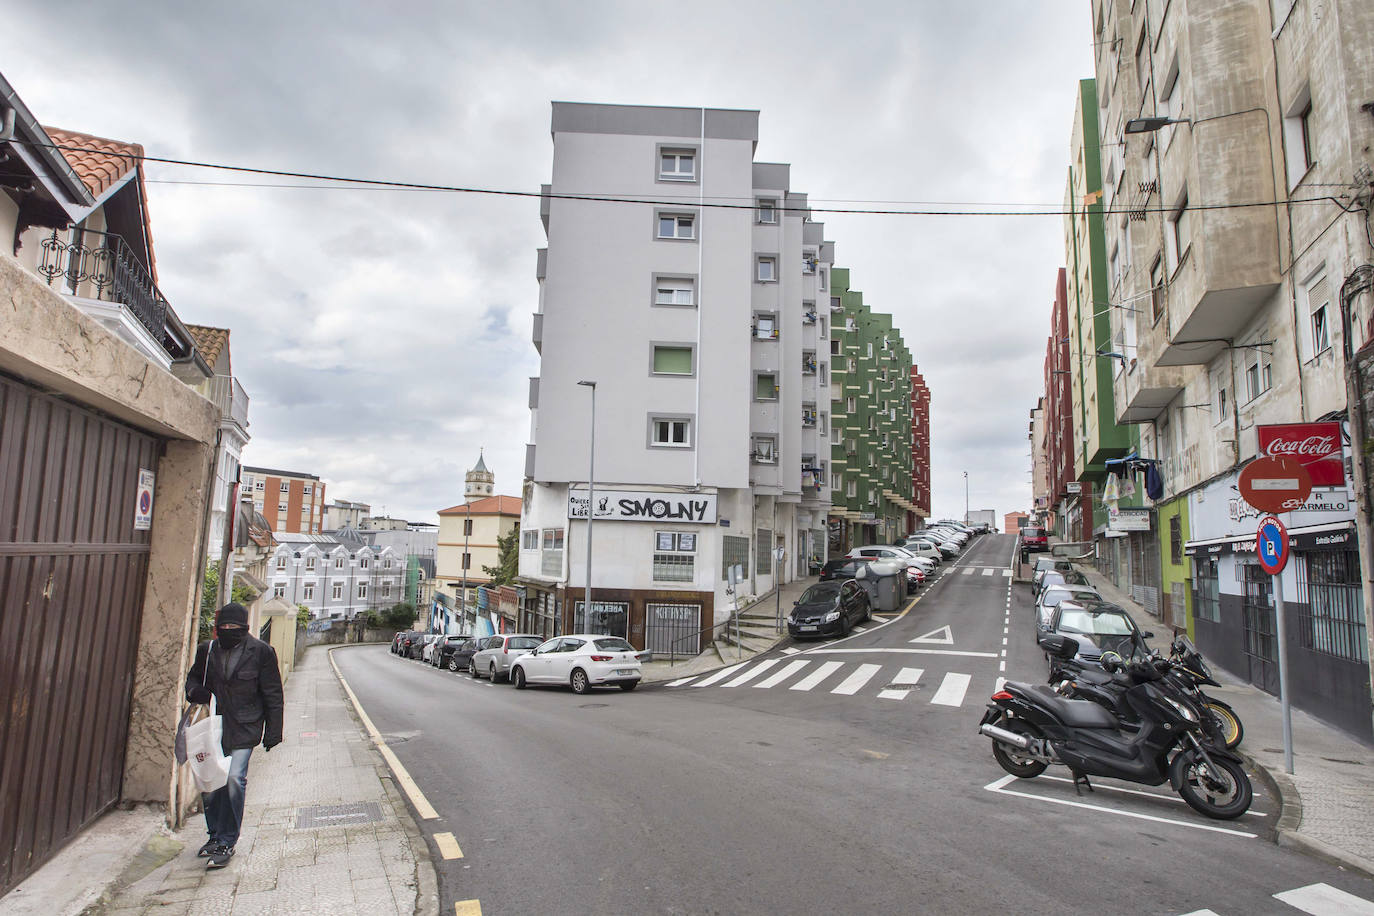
{"points": [[1316, 446]]}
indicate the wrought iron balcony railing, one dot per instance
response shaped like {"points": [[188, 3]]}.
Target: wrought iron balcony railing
{"points": [[100, 265]]}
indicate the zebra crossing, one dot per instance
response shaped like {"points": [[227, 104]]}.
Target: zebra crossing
{"points": [[982, 571], [884, 682], [1317, 899]]}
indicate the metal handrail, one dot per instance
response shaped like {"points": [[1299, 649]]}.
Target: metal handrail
{"points": [[112, 270]]}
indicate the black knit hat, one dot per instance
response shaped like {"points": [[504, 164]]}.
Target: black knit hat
{"points": [[232, 614]]}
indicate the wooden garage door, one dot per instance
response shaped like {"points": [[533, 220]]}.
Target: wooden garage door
{"points": [[72, 572]]}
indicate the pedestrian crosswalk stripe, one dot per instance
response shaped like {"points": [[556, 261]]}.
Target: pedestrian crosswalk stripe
{"points": [[966, 571], [987, 571], [905, 677], [952, 690], [682, 680], [855, 681], [752, 673], [1203, 913], [815, 677], [790, 650], [861, 629], [1325, 900], [788, 670], [1006, 573], [720, 675]]}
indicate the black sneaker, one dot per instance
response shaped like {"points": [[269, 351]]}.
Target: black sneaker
{"points": [[220, 856], [206, 850]]}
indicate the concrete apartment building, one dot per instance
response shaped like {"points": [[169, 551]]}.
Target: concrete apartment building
{"points": [[107, 462], [291, 501], [1040, 468], [703, 324], [920, 449], [871, 447], [343, 513], [1242, 316], [1059, 457]]}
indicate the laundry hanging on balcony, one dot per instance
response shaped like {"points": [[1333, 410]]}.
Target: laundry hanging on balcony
{"points": [[1126, 469]]}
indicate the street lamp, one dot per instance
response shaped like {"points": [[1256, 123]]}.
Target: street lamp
{"points": [[966, 497], [467, 560], [1150, 125], [591, 508]]}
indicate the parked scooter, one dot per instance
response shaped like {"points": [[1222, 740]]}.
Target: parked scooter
{"points": [[1032, 726], [1191, 672]]}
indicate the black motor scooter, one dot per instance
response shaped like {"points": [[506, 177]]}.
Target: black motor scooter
{"points": [[1032, 726]]}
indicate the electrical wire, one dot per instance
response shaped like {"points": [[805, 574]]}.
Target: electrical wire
{"points": [[381, 183]]}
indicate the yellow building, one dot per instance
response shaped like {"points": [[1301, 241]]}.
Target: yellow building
{"points": [[468, 535]]}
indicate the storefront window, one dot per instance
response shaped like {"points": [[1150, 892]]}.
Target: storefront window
{"points": [[1205, 602], [1332, 620]]}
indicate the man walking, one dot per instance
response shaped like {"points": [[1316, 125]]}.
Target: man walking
{"points": [[241, 673]]}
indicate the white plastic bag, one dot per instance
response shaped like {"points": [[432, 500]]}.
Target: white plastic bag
{"points": [[205, 753]]}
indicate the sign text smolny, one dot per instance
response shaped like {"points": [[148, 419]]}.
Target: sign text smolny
{"points": [[646, 506]]}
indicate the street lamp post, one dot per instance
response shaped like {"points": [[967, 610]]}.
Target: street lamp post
{"points": [[966, 497], [591, 508], [467, 559]]}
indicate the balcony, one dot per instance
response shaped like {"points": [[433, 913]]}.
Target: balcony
{"points": [[228, 395], [537, 334], [1145, 391], [109, 282]]}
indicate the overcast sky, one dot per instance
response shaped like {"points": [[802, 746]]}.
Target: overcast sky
{"points": [[384, 336]]}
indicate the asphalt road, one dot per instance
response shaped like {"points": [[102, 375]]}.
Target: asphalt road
{"points": [[868, 791]]}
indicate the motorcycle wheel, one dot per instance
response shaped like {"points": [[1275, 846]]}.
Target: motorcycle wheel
{"points": [[1227, 722], [1224, 800], [1014, 760]]}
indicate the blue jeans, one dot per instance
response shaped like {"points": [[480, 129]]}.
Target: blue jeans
{"points": [[224, 806]]}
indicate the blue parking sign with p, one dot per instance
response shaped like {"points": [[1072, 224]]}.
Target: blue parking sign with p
{"points": [[1271, 545]]}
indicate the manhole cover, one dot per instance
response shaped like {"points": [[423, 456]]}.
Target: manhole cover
{"points": [[336, 815]]}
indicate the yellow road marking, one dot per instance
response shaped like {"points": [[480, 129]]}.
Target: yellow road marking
{"points": [[448, 846], [467, 908], [877, 755], [417, 798]]}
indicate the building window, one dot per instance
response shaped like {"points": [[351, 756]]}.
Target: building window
{"points": [[257, 485], [763, 551], [768, 210], [281, 507], [767, 270], [1331, 618], [808, 262], [851, 404], [338, 591], [765, 386], [308, 591], [1206, 604], [1176, 540], [285, 487], [1156, 290], [670, 432], [279, 590], [1178, 236], [310, 563], [677, 164], [1317, 334], [673, 556], [734, 551], [1298, 138], [362, 591], [362, 562], [671, 359], [386, 589], [1257, 371], [765, 450], [281, 562], [529, 540], [551, 560], [766, 325], [338, 562], [307, 489], [675, 291], [1172, 99], [677, 226], [1223, 408]]}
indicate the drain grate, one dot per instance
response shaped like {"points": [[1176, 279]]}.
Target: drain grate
{"points": [[337, 815]]}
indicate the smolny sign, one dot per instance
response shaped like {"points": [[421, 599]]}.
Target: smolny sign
{"points": [[646, 506]]}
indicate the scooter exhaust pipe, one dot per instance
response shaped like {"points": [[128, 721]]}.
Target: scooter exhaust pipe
{"points": [[1007, 737]]}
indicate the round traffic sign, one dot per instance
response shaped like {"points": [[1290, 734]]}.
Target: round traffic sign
{"points": [[1271, 545], [1275, 484]]}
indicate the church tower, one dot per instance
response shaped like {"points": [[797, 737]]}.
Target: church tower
{"points": [[480, 481]]}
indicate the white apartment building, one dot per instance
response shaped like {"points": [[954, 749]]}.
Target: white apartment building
{"points": [[691, 301], [1231, 233], [335, 578]]}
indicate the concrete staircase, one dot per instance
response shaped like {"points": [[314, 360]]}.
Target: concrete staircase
{"points": [[757, 633]]}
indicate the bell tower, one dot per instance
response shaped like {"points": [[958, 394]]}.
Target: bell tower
{"points": [[480, 482]]}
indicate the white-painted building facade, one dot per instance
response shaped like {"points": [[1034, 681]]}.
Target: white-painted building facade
{"points": [[696, 303], [335, 579]]}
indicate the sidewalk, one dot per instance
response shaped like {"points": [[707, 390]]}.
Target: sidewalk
{"points": [[1328, 802], [372, 860]]}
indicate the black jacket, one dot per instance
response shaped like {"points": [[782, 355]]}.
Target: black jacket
{"points": [[249, 697]]}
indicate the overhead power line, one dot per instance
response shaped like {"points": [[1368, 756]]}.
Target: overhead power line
{"points": [[344, 181]]}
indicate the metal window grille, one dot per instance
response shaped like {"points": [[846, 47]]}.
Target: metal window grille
{"points": [[674, 567], [1331, 619], [763, 551], [734, 551], [1206, 602], [1176, 541]]}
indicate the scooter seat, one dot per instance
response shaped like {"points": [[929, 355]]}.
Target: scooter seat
{"points": [[1075, 713]]}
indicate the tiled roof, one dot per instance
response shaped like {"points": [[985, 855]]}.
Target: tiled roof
{"points": [[490, 505], [99, 162], [209, 341]]}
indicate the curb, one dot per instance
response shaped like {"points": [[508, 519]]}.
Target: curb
{"points": [[426, 879], [1286, 832]]}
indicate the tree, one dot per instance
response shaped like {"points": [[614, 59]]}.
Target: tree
{"points": [[507, 559], [399, 616], [242, 593], [302, 615]]}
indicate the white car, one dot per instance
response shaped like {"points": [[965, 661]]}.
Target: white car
{"points": [[581, 661], [924, 549], [1051, 596]]}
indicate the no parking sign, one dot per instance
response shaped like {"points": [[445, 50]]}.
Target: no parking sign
{"points": [[1271, 545], [143, 500]]}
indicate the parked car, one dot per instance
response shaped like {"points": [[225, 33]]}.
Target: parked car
{"points": [[1034, 539], [1045, 579], [1097, 627], [1050, 598], [406, 643], [581, 661], [396, 641], [828, 609], [843, 568], [445, 648], [427, 644], [923, 548], [915, 572], [493, 659]]}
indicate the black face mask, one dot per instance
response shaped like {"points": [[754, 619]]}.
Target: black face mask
{"points": [[231, 639]]}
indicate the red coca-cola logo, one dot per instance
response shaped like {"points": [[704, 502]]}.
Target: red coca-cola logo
{"points": [[1317, 446]]}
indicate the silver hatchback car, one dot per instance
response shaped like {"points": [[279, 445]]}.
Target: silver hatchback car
{"points": [[493, 659]]}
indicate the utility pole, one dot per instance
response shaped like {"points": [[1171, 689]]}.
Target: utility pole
{"points": [[591, 509]]}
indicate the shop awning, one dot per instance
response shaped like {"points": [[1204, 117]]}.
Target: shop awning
{"points": [[1331, 536]]}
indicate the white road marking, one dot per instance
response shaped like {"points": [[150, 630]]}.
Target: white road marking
{"points": [[1004, 640], [787, 671], [851, 685], [1002, 665], [966, 571], [988, 570], [815, 677], [861, 629], [720, 675], [952, 690], [825, 651], [1203, 913], [752, 673], [1001, 682], [942, 636], [905, 676], [1004, 631], [790, 650], [999, 785], [1323, 899], [680, 681]]}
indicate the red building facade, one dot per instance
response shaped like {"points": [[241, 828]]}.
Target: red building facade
{"points": [[1059, 401], [920, 448]]}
